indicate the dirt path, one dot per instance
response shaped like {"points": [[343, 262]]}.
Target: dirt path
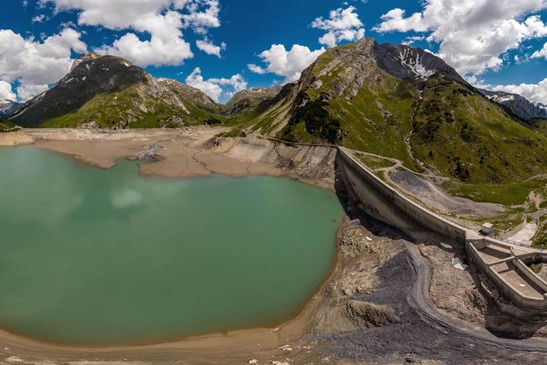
{"points": [[423, 333]]}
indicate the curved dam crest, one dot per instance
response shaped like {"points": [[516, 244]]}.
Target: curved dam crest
{"points": [[92, 256]]}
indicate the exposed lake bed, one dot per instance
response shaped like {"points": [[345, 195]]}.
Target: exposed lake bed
{"points": [[315, 335]]}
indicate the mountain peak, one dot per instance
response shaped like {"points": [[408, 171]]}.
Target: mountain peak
{"points": [[110, 91], [7, 107], [86, 57], [517, 104]]}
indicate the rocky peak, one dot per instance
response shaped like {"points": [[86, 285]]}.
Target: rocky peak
{"points": [[86, 57], [91, 75], [247, 99], [407, 62], [7, 107], [518, 105]]}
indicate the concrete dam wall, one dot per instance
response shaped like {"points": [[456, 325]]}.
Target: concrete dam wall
{"points": [[392, 207], [503, 263]]}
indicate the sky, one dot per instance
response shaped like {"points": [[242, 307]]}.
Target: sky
{"points": [[224, 46]]}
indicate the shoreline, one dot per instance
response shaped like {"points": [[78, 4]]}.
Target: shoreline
{"points": [[243, 331], [193, 153], [286, 330]]}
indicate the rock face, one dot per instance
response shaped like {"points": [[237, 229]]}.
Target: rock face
{"points": [[111, 92], [245, 100], [408, 104], [518, 105], [7, 107]]}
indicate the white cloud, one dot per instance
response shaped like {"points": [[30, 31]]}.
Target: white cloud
{"points": [[39, 18], [163, 20], [214, 88], [342, 25], [6, 93], [166, 46], [201, 20], [542, 53], [36, 63], [289, 64], [536, 93], [473, 35], [210, 48], [27, 92]]}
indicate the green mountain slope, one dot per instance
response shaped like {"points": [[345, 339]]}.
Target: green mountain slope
{"points": [[105, 91], [402, 102], [6, 126]]}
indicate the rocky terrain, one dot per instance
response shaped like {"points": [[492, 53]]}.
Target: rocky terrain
{"points": [[392, 100], [517, 104], [245, 101], [110, 92], [7, 107], [404, 103]]}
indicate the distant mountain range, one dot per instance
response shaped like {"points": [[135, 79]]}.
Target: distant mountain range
{"points": [[396, 101], [7, 107], [518, 105]]}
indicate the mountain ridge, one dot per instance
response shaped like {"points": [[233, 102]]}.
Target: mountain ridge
{"points": [[108, 91], [392, 100]]}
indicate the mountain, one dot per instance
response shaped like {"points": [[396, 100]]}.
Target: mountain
{"points": [[246, 100], [107, 91], [7, 107], [405, 103], [6, 126], [518, 105]]}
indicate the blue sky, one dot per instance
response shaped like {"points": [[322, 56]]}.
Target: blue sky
{"points": [[495, 43]]}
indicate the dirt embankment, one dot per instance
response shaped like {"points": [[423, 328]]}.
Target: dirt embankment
{"points": [[15, 138], [188, 152]]}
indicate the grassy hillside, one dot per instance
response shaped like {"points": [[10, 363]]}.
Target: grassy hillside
{"points": [[439, 121], [463, 134], [6, 126], [134, 109]]}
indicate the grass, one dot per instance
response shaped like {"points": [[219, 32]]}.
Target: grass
{"points": [[6, 126], [507, 194], [373, 162], [540, 239], [233, 133], [130, 108]]}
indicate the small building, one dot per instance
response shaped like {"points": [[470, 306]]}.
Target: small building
{"points": [[487, 229]]}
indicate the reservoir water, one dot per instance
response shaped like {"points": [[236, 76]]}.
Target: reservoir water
{"points": [[93, 256]]}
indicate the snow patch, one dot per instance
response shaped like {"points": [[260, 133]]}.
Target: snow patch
{"points": [[415, 65]]}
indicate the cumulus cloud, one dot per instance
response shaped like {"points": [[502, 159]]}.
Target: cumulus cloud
{"points": [[473, 35], [542, 53], [536, 93], [6, 93], [28, 91], [34, 63], [210, 48], [342, 25], [215, 88], [163, 20], [289, 64]]}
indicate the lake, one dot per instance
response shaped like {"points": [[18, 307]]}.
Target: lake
{"points": [[93, 256]]}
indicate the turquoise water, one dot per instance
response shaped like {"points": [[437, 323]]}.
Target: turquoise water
{"points": [[92, 256]]}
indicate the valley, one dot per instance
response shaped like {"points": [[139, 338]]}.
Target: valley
{"points": [[463, 155]]}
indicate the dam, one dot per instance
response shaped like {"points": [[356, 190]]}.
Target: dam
{"points": [[505, 265]]}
